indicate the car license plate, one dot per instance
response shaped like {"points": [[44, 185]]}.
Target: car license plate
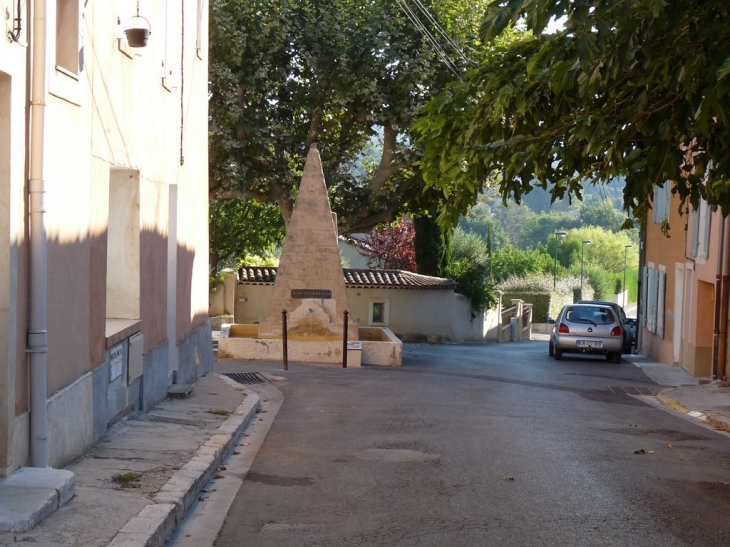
{"points": [[589, 344]]}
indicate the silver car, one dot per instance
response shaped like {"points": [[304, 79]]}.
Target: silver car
{"points": [[587, 328]]}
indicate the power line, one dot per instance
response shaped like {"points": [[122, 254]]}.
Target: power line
{"points": [[429, 37], [440, 29]]}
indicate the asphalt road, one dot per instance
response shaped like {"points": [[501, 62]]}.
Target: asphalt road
{"points": [[483, 445]]}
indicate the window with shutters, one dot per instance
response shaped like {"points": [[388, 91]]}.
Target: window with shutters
{"points": [[67, 36], [661, 283], [126, 9], [651, 300], [703, 245], [695, 236], [661, 202], [199, 29], [652, 294], [173, 45]]}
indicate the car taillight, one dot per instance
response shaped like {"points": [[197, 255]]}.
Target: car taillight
{"points": [[563, 328], [616, 331]]}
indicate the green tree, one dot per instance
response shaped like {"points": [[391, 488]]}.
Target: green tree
{"points": [[602, 214], [606, 250], [469, 268], [540, 228], [479, 220], [431, 246], [626, 89], [241, 228], [511, 261], [512, 217], [348, 75]]}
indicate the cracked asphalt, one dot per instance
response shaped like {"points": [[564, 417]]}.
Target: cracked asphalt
{"points": [[480, 445]]}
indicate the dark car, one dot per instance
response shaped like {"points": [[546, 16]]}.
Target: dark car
{"points": [[627, 325]]}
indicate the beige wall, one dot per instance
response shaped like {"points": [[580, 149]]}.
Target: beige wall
{"points": [[695, 314], [412, 313], [13, 249], [116, 114], [666, 252]]}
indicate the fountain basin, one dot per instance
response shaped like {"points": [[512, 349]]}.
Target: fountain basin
{"points": [[377, 346]]}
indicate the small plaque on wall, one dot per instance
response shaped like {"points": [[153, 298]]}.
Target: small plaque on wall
{"points": [[311, 293], [116, 358]]}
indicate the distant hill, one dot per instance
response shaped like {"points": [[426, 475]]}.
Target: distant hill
{"points": [[539, 200]]}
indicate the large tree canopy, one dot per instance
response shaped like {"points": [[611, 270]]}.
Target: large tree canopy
{"points": [[351, 75], [628, 88]]}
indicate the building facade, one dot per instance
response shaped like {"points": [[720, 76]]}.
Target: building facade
{"points": [[684, 286], [103, 217]]}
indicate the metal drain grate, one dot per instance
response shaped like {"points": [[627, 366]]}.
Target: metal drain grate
{"points": [[246, 377], [279, 528], [179, 421], [633, 390]]}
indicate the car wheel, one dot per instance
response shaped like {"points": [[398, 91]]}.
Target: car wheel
{"points": [[558, 354], [616, 358], [551, 350]]}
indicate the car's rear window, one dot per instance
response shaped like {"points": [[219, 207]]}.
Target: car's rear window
{"points": [[590, 314]]}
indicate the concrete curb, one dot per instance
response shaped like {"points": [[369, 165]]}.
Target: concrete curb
{"points": [[717, 423], [155, 524], [31, 494]]}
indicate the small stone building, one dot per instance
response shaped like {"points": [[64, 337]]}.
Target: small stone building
{"points": [[415, 307]]}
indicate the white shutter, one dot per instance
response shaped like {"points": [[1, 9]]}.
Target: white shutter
{"points": [[173, 43], [644, 293], [695, 231], [651, 319], [660, 303], [706, 221]]}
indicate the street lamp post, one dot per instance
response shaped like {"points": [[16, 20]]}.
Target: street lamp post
{"points": [[626, 250], [582, 250], [557, 242]]}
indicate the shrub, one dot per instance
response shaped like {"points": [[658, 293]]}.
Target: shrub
{"points": [[472, 281], [601, 281], [511, 261], [538, 290], [632, 284]]}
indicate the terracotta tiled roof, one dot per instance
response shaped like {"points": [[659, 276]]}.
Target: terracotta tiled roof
{"points": [[389, 279], [395, 279], [256, 275]]}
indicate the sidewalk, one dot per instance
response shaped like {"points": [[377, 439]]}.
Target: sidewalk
{"points": [[134, 487], [709, 403]]}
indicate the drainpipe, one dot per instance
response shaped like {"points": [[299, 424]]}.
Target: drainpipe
{"points": [[37, 334], [641, 308], [722, 363], [716, 342]]}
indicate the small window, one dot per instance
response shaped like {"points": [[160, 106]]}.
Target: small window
{"points": [[67, 36], [379, 312]]}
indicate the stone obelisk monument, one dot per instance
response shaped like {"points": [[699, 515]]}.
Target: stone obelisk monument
{"points": [[309, 284]]}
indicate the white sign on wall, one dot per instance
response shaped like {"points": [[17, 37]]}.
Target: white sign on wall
{"points": [[117, 363]]}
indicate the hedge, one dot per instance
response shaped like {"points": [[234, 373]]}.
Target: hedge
{"points": [[544, 305]]}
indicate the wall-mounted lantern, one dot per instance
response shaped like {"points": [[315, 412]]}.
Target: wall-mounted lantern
{"points": [[138, 30]]}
